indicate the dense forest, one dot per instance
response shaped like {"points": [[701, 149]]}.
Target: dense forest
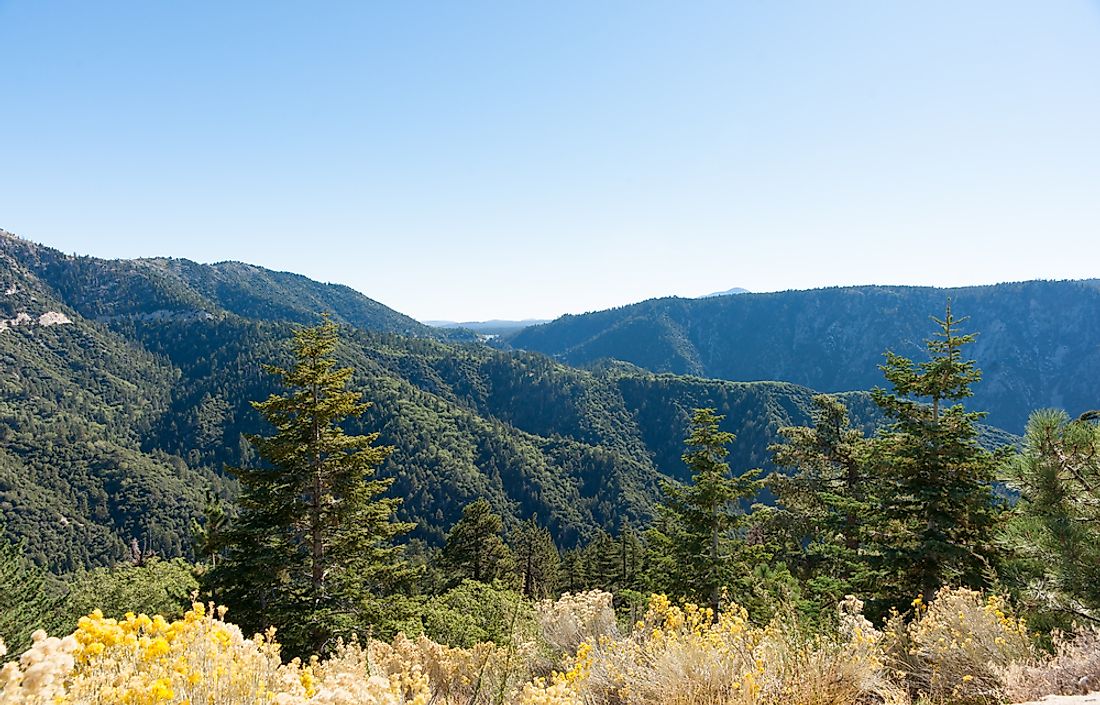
{"points": [[1039, 340]]}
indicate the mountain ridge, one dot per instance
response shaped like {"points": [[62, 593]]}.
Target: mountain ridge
{"points": [[1037, 341]]}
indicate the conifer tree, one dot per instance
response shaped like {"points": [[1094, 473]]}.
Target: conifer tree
{"points": [[536, 559], [314, 541], [701, 527], [822, 504], [207, 535], [27, 600], [601, 556], [938, 510], [1055, 532], [475, 547], [631, 556]]}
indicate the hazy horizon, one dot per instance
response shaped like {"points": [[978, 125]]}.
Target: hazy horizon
{"points": [[498, 161]]}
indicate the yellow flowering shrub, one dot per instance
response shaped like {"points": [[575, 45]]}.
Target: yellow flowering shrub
{"points": [[961, 648], [196, 660], [956, 648], [684, 654]]}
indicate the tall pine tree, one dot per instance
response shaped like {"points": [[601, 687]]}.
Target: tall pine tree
{"points": [[475, 547], [938, 510], [536, 559], [1055, 530], [698, 542], [822, 504], [314, 541]]}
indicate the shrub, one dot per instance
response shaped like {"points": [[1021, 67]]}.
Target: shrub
{"points": [[155, 587], [1073, 668], [475, 612], [956, 648], [687, 655], [572, 620]]}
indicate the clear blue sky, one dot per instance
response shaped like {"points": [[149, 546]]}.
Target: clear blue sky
{"points": [[470, 160]]}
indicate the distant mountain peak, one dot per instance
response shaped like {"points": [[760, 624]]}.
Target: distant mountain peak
{"points": [[728, 292]]}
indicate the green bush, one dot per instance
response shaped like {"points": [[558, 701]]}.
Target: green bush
{"points": [[475, 612]]}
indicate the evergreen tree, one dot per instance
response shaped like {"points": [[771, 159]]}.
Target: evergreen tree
{"points": [[699, 539], [475, 547], [536, 560], [573, 571], [207, 535], [314, 541], [938, 510], [602, 561], [822, 504], [631, 557], [27, 600], [1055, 530]]}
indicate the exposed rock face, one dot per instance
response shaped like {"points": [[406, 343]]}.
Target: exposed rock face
{"points": [[21, 319], [53, 318], [47, 319]]}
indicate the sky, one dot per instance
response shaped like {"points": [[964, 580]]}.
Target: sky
{"points": [[474, 160]]}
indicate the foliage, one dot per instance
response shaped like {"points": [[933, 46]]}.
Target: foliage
{"points": [[957, 648], [536, 560], [313, 539], [575, 619], [28, 599], [961, 648], [116, 426], [700, 539], [474, 612], [1073, 668], [680, 655], [475, 547], [823, 505], [937, 512], [1054, 533], [155, 586]]}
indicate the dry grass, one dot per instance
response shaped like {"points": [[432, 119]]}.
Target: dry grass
{"points": [[1073, 669]]}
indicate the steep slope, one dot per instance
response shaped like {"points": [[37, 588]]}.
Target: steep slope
{"points": [[1038, 343], [178, 289], [75, 402]]}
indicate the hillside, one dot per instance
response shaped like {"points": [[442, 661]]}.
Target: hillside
{"points": [[179, 289], [1038, 343], [115, 422]]}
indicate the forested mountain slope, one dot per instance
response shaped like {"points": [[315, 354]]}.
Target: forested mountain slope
{"points": [[125, 390], [178, 289], [1038, 343]]}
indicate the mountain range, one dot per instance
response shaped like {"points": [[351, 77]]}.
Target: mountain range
{"points": [[1038, 342], [125, 389]]}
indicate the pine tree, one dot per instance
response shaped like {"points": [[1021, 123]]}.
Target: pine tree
{"points": [[938, 510], [27, 600], [1055, 533], [602, 561], [700, 530], [536, 560], [822, 504], [475, 547], [207, 535], [314, 541]]}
